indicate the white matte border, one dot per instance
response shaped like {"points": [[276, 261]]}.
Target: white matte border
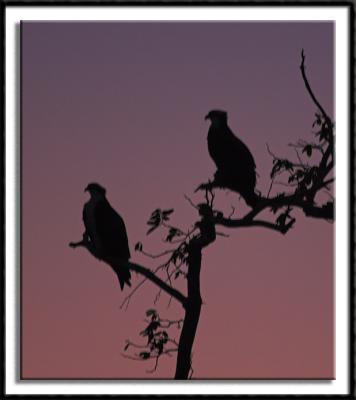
{"points": [[338, 15]]}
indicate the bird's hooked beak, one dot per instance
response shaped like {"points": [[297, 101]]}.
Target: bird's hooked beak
{"points": [[86, 189], [207, 117]]}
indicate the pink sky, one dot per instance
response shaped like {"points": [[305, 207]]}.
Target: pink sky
{"points": [[123, 104]]}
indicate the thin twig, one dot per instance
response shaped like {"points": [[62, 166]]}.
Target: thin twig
{"points": [[164, 253], [309, 89], [191, 202], [232, 212]]}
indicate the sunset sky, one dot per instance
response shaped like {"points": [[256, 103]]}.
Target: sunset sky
{"points": [[123, 104]]}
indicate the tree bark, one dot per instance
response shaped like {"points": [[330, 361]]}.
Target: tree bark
{"points": [[194, 301], [192, 313]]}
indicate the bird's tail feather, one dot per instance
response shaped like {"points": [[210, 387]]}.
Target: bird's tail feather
{"points": [[123, 275]]}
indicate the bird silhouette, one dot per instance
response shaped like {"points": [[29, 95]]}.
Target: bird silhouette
{"points": [[106, 231], [236, 168]]}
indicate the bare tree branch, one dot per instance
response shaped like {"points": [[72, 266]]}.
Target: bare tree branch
{"points": [[137, 268], [239, 223], [309, 89]]}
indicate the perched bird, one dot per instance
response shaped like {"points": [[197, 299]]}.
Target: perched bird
{"points": [[236, 168], [106, 231]]}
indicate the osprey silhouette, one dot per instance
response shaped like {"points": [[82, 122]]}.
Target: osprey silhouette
{"points": [[107, 232], [236, 168]]}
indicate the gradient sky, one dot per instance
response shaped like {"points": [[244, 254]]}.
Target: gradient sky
{"points": [[123, 104]]}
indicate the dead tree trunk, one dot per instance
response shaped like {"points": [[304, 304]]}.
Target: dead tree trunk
{"points": [[192, 314], [193, 303]]}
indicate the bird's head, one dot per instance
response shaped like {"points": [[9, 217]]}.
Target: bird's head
{"points": [[95, 190], [217, 116]]}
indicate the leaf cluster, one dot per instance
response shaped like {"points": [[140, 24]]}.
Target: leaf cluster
{"points": [[280, 165], [325, 128], [304, 177], [173, 232], [157, 218], [157, 337], [178, 256]]}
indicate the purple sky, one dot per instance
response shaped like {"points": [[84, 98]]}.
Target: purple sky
{"points": [[123, 104]]}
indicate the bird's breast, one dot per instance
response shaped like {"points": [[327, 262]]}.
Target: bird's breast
{"points": [[89, 210]]}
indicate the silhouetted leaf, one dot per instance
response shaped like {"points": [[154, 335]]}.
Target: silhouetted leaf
{"points": [[150, 337], [173, 232], [276, 168], [138, 246], [160, 347], [296, 176], [324, 133], [151, 311], [308, 150], [287, 165], [177, 255], [167, 213], [155, 220], [151, 229], [281, 220], [317, 120], [280, 166], [274, 209], [153, 326], [144, 355]]}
